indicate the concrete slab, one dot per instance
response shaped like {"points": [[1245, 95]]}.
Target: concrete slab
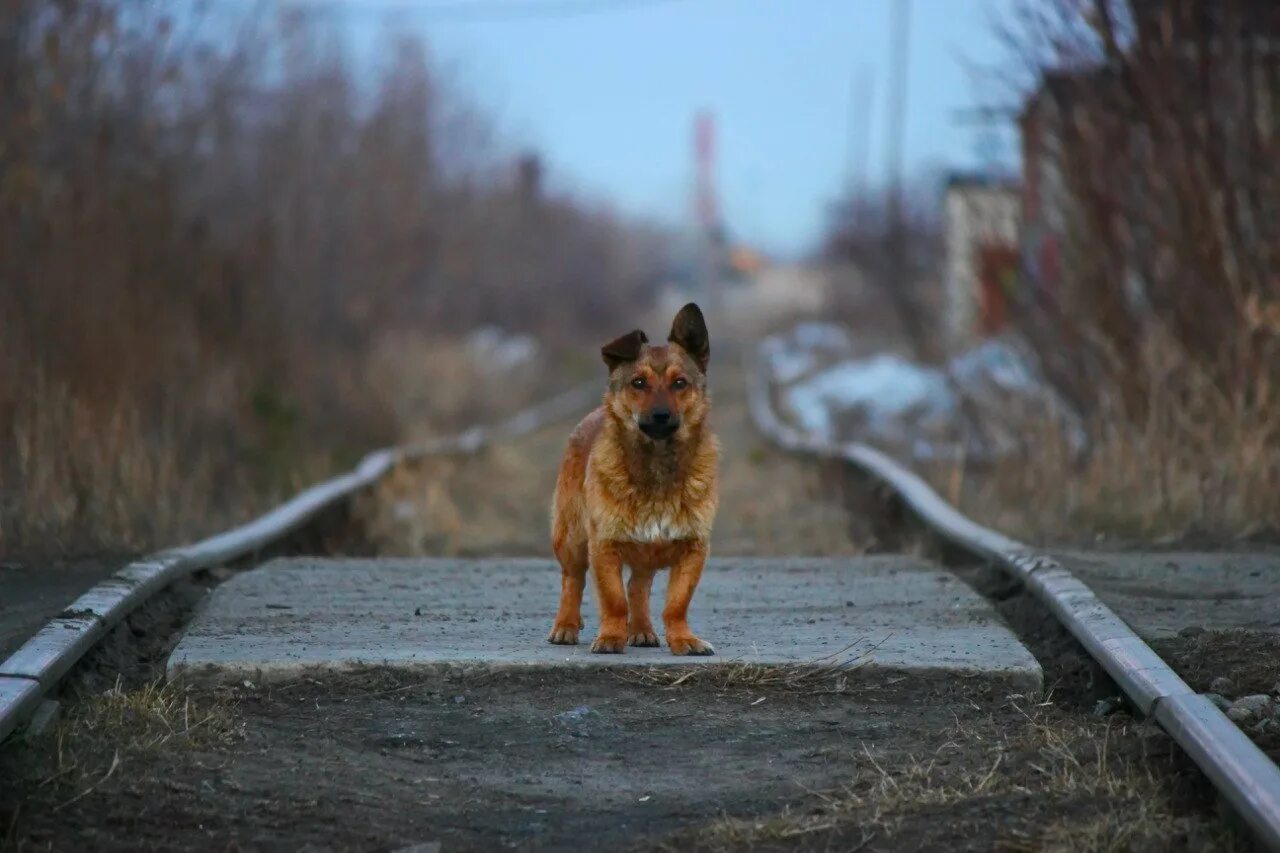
{"points": [[897, 613], [1161, 593]]}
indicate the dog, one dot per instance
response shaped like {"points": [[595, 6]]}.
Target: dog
{"points": [[637, 486]]}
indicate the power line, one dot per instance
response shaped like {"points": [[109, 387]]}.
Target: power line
{"points": [[486, 10]]}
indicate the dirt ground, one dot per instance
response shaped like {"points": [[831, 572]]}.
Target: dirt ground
{"points": [[1238, 663], [478, 761], [730, 758]]}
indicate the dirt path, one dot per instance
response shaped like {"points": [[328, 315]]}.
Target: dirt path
{"points": [[728, 760]]}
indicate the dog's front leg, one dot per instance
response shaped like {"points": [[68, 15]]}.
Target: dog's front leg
{"points": [[686, 571], [639, 628], [606, 566]]}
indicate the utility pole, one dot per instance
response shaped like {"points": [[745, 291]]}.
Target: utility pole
{"points": [[897, 271], [707, 210], [858, 138], [900, 39]]}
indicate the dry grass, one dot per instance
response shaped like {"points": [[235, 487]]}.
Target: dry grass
{"points": [[1161, 316], [434, 384], [1103, 799], [829, 675], [226, 263], [1199, 464], [112, 481], [102, 733], [496, 502], [85, 477], [153, 716]]}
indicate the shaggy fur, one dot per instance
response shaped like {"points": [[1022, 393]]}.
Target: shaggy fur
{"points": [[638, 487]]}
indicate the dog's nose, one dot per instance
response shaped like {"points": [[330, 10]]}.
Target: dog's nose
{"points": [[660, 416]]}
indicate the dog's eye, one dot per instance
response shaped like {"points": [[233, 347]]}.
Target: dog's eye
{"points": [[638, 383], [680, 383]]}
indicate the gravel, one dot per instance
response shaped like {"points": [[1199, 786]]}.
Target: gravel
{"points": [[1250, 707]]}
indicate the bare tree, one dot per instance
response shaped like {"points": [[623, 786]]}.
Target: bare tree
{"points": [[1152, 165]]}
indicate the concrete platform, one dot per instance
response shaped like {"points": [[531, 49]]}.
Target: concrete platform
{"points": [[894, 613]]}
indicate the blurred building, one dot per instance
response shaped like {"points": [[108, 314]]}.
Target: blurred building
{"points": [[1045, 197], [980, 230]]}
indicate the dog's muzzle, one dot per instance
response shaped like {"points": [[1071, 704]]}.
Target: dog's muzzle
{"points": [[659, 425]]}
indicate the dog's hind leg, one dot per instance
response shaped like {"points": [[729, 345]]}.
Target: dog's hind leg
{"points": [[639, 627], [573, 578]]}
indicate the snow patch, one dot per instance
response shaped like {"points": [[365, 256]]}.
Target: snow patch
{"points": [[499, 351], [888, 399], [885, 387], [806, 347]]}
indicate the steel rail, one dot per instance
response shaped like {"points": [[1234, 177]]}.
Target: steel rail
{"points": [[37, 667], [1245, 777]]}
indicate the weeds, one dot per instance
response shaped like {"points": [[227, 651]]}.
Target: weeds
{"points": [[153, 716], [1115, 801], [230, 258], [103, 733], [828, 675], [1201, 463], [108, 478]]}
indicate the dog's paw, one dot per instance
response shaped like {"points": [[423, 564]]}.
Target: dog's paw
{"points": [[643, 637], [564, 635], [689, 645], [609, 644]]}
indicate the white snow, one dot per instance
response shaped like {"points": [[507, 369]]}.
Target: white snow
{"points": [[889, 399], [500, 351], [806, 347], [884, 388], [997, 363]]}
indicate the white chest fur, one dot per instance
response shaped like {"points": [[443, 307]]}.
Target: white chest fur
{"points": [[661, 528]]}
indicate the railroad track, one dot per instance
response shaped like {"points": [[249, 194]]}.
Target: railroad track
{"points": [[1246, 778], [36, 668]]}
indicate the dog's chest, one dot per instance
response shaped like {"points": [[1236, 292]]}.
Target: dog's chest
{"points": [[624, 510], [647, 520], [664, 526]]}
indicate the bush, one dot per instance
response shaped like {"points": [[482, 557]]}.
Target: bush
{"points": [[208, 242]]}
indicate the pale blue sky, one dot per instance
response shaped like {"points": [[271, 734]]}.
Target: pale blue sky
{"points": [[609, 98]]}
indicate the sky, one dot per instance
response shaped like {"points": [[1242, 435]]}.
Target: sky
{"points": [[607, 91]]}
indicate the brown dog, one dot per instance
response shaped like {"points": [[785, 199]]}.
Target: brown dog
{"points": [[638, 486]]}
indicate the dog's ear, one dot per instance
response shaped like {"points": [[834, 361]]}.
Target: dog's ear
{"points": [[624, 349], [689, 330]]}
